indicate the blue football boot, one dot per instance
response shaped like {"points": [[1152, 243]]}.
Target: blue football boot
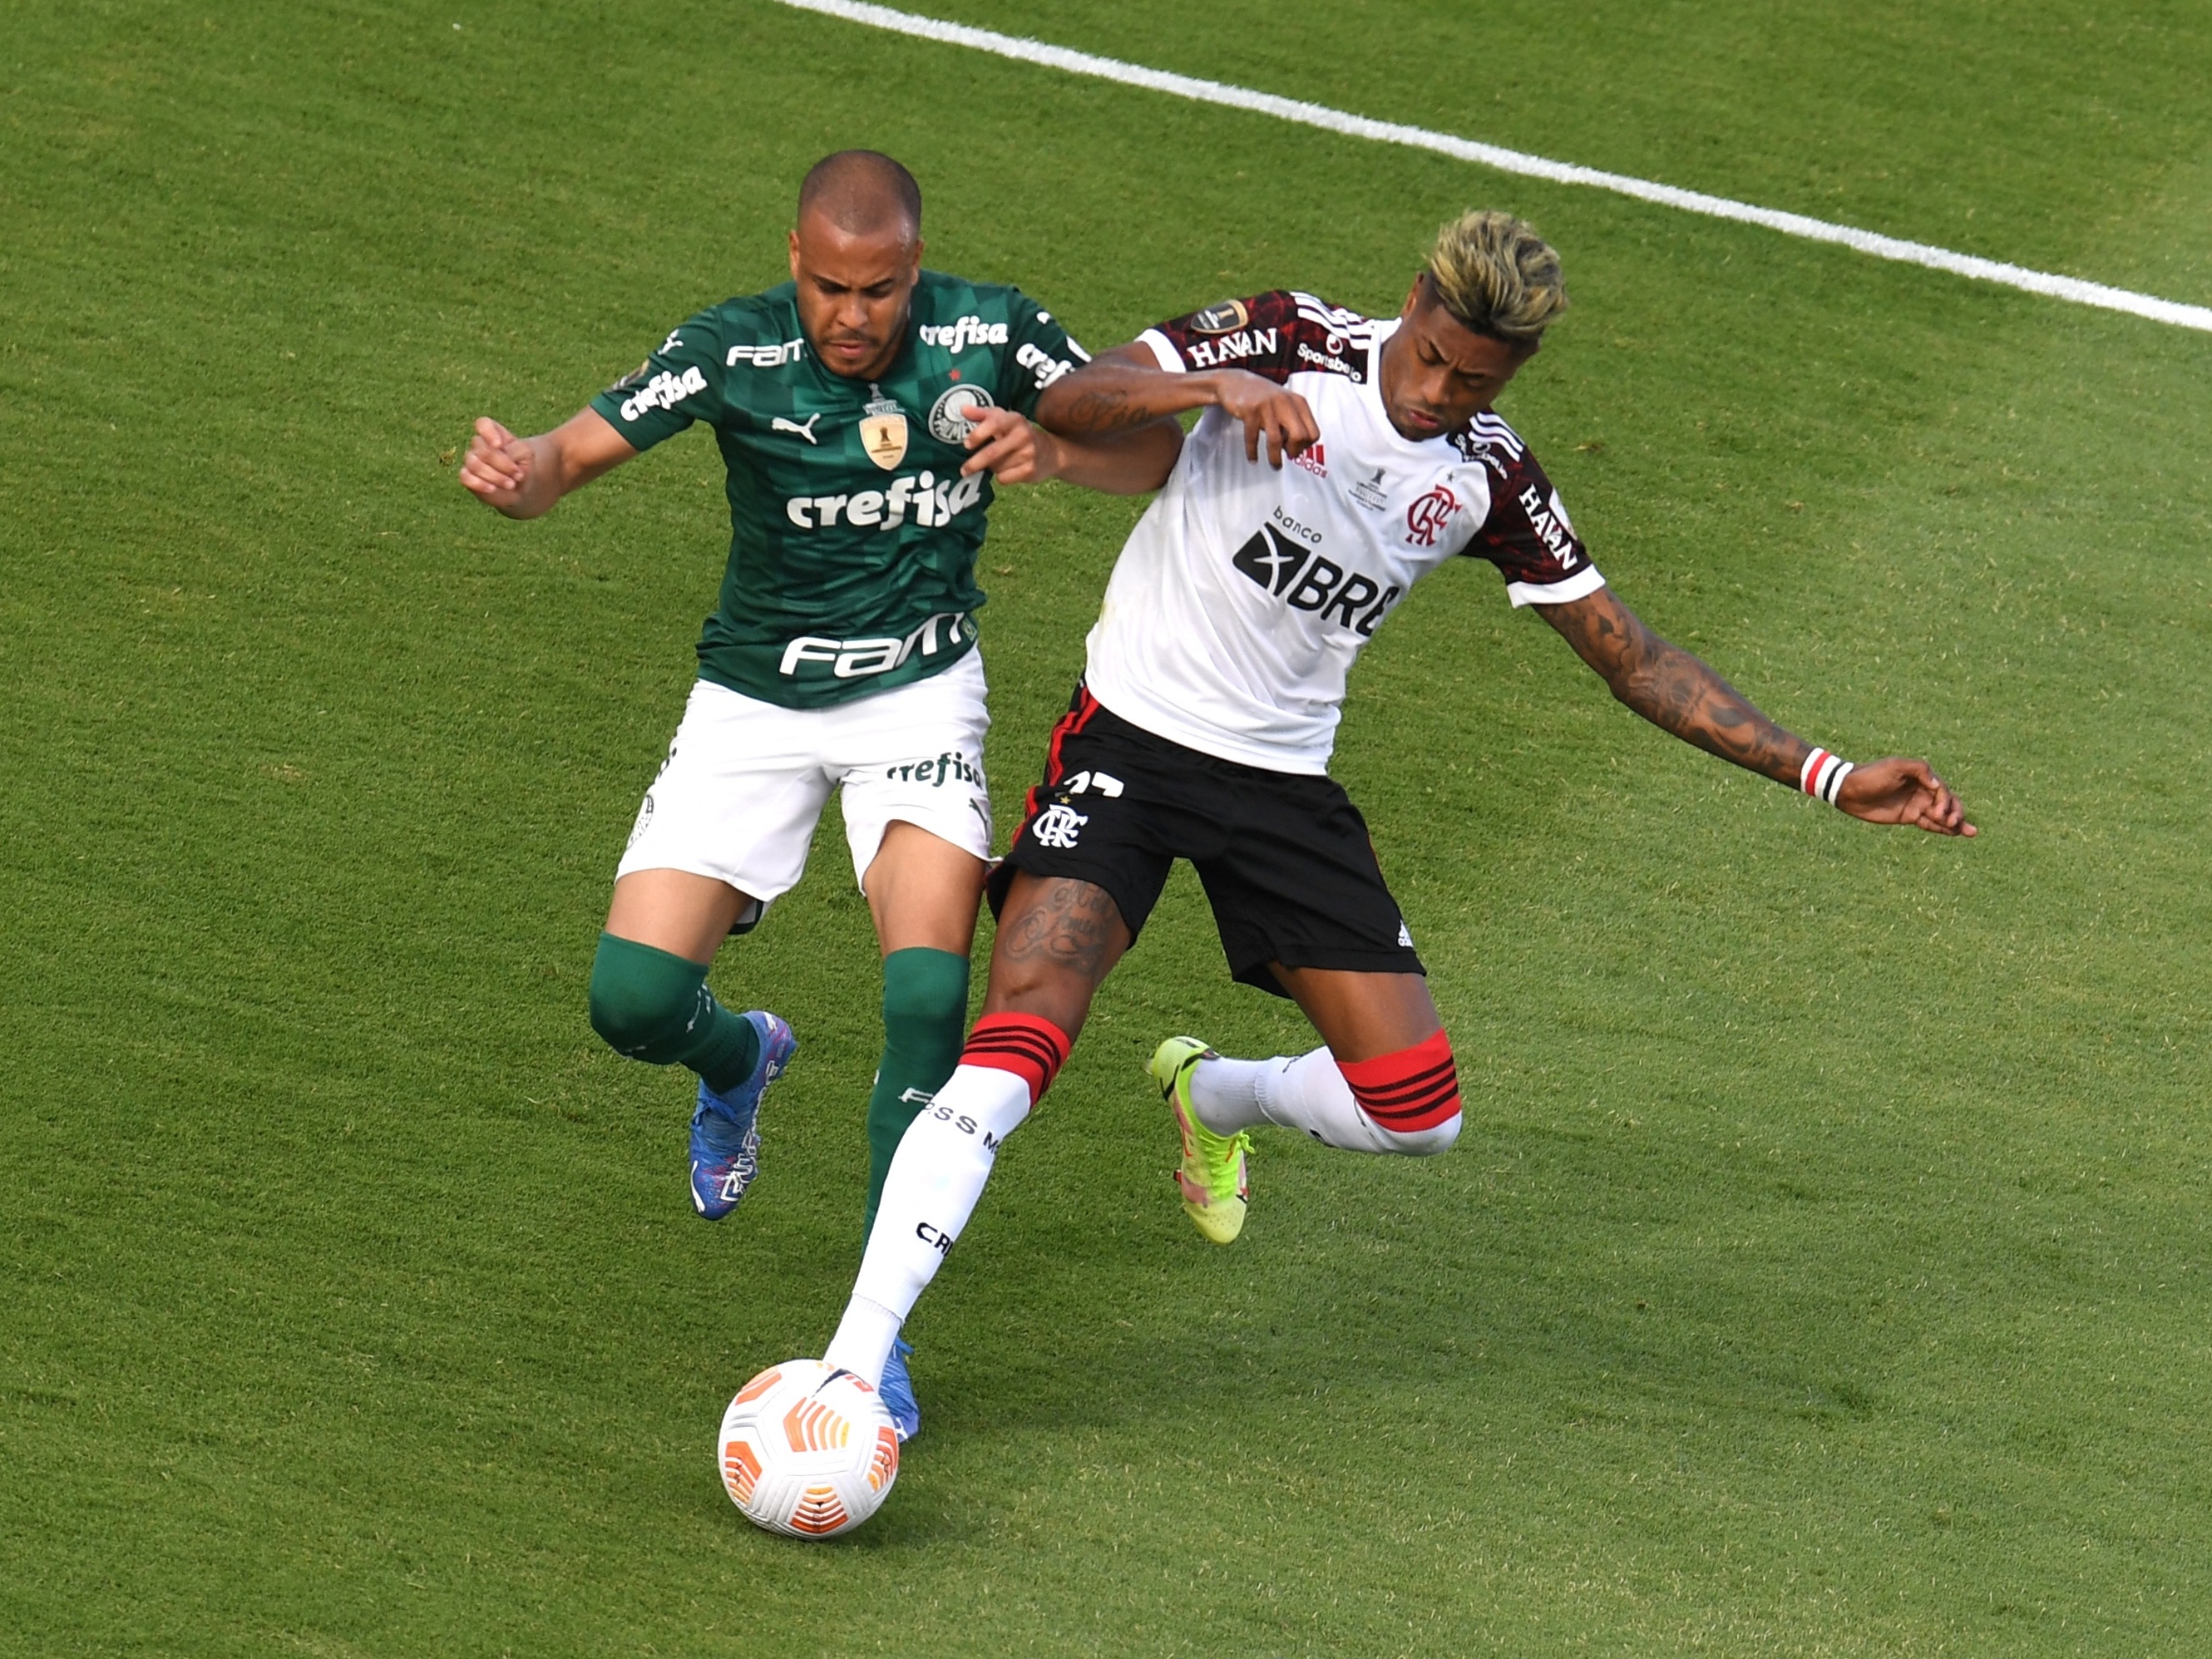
{"points": [[897, 1392], [725, 1132]]}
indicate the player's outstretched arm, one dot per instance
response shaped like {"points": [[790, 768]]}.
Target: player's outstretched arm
{"points": [[1015, 450], [1126, 387], [1679, 693], [523, 477]]}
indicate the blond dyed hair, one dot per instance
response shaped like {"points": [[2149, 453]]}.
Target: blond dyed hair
{"points": [[1496, 275]]}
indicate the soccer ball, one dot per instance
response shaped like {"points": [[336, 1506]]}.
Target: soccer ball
{"points": [[807, 1451]]}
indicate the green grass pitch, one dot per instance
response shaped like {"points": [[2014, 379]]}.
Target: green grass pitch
{"points": [[1824, 1268]]}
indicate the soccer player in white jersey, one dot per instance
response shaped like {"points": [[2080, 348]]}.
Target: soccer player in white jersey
{"points": [[1203, 728]]}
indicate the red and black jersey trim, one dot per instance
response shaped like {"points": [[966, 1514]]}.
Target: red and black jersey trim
{"points": [[1273, 335], [1032, 1049], [1415, 1089], [1527, 535]]}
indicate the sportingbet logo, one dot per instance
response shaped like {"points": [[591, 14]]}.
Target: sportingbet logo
{"points": [[957, 336], [933, 504], [853, 660], [664, 391], [1305, 581]]}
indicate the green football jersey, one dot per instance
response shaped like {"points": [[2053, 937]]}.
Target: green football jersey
{"points": [[852, 536]]}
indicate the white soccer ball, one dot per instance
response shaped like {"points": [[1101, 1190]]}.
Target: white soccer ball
{"points": [[806, 1451]]}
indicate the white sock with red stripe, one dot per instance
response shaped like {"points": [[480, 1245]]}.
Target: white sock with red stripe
{"points": [[1314, 1093], [937, 1178]]}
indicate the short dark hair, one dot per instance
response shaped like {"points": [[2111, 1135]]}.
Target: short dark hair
{"points": [[861, 191]]}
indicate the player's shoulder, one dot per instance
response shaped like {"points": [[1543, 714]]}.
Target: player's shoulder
{"points": [[758, 331], [1288, 328], [1488, 441], [943, 295]]}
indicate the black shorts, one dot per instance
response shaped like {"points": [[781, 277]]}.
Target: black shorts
{"points": [[1284, 857]]}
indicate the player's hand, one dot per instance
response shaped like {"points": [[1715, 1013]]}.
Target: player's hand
{"points": [[499, 466], [1903, 791], [1010, 447], [1281, 416]]}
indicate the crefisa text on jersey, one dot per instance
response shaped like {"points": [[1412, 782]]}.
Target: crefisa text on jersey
{"points": [[933, 504]]}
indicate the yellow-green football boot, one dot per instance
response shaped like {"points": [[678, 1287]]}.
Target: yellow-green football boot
{"points": [[1211, 1174]]}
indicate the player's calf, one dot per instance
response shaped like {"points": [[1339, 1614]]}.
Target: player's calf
{"points": [[938, 1177], [1406, 1103], [653, 1005]]}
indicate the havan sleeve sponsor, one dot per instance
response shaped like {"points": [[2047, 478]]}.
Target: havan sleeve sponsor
{"points": [[1274, 335], [1527, 535], [678, 384]]}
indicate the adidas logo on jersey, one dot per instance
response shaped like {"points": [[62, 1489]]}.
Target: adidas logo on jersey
{"points": [[1304, 579], [664, 391], [934, 504]]}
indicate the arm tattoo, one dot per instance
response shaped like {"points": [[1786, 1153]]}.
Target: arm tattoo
{"points": [[1072, 927], [1103, 408], [1672, 688]]}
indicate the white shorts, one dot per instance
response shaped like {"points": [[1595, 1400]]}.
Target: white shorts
{"points": [[745, 782]]}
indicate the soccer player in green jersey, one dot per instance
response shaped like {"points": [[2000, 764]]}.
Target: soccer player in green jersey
{"points": [[863, 410]]}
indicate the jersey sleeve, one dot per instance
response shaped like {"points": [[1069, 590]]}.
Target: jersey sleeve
{"points": [[1038, 352], [1273, 335], [678, 384], [1527, 535]]}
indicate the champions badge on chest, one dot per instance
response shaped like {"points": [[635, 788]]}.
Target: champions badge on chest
{"points": [[882, 428]]}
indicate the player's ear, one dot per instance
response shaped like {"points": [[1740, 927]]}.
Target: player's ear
{"points": [[794, 254], [1413, 299]]}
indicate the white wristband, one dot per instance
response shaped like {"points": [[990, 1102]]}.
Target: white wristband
{"points": [[1823, 774]]}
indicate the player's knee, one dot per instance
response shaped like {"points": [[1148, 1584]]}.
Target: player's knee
{"points": [[925, 991], [642, 1000], [1425, 1143], [1411, 1097]]}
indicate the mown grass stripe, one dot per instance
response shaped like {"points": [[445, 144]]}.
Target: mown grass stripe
{"points": [[2047, 284]]}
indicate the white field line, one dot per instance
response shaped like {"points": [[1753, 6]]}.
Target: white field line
{"points": [[1513, 160]]}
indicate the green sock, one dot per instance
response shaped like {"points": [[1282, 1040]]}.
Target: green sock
{"points": [[653, 1005], [925, 1017]]}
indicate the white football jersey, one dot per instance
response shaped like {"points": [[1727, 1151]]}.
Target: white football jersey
{"points": [[1245, 592]]}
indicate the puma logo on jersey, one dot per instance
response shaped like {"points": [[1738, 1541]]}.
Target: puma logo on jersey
{"points": [[1305, 581], [778, 424]]}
